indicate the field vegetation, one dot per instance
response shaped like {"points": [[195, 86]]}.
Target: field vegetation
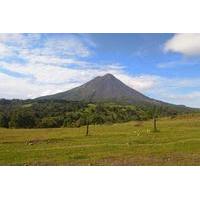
{"points": [[177, 142]]}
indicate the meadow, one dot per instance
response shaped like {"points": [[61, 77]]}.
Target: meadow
{"points": [[133, 143]]}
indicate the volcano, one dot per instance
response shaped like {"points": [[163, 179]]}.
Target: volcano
{"points": [[102, 88], [107, 88]]}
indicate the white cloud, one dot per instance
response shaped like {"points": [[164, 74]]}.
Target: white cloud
{"points": [[185, 43], [190, 99], [4, 50], [35, 57], [49, 79], [49, 61], [19, 40], [11, 37], [64, 45], [141, 83], [12, 87], [187, 97], [42, 79], [53, 74], [68, 46]]}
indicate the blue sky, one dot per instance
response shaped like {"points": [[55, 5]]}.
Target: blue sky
{"points": [[162, 66]]}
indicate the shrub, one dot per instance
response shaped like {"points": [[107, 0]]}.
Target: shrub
{"points": [[4, 120], [22, 119], [51, 122]]}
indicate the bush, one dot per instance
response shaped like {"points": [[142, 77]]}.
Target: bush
{"points": [[4, 120], [22, 119], [73, 120], [98, 119], [51, 122]]}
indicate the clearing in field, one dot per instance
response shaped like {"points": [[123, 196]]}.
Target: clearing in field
{"points": [[134, 143]]}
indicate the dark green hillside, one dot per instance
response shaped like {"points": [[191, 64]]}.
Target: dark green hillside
{"points": [[62, 113]]}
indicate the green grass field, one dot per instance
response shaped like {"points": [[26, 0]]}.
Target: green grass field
{"points": [[132, 143]]}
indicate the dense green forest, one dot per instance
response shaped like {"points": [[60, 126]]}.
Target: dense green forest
{"points": [[62, 113]]}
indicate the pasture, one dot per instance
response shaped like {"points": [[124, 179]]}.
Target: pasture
{"points": [[133, 143]]}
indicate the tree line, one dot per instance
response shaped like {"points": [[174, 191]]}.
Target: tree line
{"points": [[61, 113]]}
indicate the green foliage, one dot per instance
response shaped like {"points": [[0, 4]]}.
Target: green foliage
{"points": [[73, 120], [22, 119], [51, 122], [4, 121], [61, 113], [98, 119]]}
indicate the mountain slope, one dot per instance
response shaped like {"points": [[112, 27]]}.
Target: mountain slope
{"points": [[105, 88]]}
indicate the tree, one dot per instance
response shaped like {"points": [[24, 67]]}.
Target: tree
{"points": [[88, 118], [154, 124], [155, 120], [22, 119], [51, 122], [3, 120], [98, 119], [87, 125], [68, 121], [72, 119]]}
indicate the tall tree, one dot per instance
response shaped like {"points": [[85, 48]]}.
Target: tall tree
{"points": [[155, 115], [88, 117]]}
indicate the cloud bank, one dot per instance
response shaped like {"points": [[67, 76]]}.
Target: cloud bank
{"points": [[33, 65], [185, 43]]}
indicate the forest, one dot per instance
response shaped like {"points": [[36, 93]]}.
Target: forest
{"points": [[62, 113]]}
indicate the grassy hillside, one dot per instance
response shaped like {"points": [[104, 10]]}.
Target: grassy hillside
{"points": [[132, 143]]}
